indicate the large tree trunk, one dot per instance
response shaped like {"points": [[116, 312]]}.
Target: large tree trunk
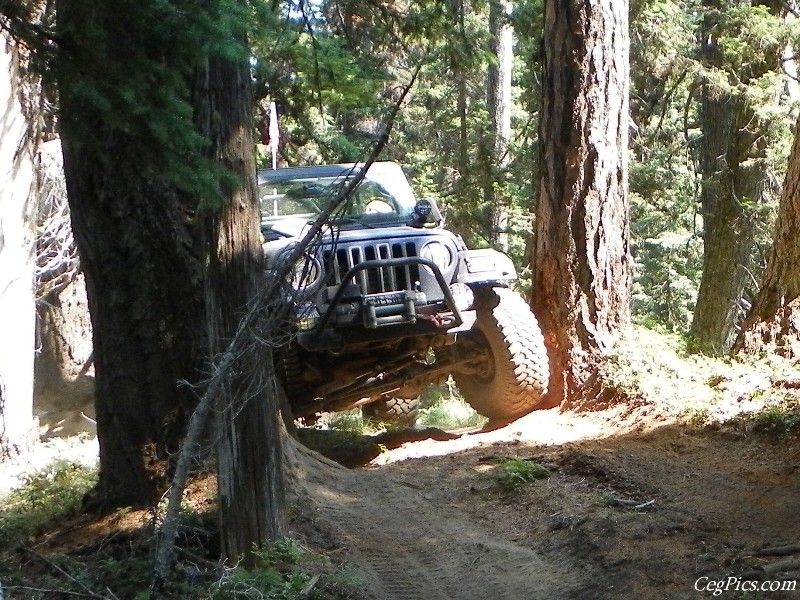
{"points": [[136, 252], [582, 270], [773, 322], [499, 104], [249, 427], [734, 169], [17, 220], [733, 178], [137, 246]]}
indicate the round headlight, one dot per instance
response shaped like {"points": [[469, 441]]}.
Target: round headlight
{"points": [[438, 254], [305, 275]]}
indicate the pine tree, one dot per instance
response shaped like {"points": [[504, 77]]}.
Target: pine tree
{"points": [[582, 268]]}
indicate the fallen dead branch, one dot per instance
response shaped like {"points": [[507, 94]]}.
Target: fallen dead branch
{"points": [[632, 504], [779, 566], [780, 550], [55, 593], [86, 593], [306, 592]]}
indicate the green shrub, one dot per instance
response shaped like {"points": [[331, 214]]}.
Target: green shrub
{"points": [[47, 496], [516, 473], [694, 417], [275, 576], [777, 420], [443, 406], [350, 421]]}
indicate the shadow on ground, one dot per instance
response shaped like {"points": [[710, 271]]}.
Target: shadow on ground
{"points": [[355, 450]]}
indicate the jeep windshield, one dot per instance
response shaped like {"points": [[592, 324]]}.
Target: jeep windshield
{"points": [[295, 196]]}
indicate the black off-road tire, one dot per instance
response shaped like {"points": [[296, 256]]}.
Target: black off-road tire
{"points": [[399, 411], [515, 379]]}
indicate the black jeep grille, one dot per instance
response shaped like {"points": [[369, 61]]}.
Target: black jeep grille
{"points": [[373, 281]]}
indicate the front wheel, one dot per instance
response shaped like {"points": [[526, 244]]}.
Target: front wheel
{"points": [[509, 375]]}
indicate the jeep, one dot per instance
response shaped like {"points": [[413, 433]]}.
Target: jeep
{"points": [[389, 301]]}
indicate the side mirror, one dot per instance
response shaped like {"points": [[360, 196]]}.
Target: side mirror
{"points": [[426, 211]]}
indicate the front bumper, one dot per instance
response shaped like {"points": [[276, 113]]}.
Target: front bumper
{"points": [[384, 315]]}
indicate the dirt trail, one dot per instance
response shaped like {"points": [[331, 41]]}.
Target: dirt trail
{"points": [[431, 522], [411, 547], [410, 539]]}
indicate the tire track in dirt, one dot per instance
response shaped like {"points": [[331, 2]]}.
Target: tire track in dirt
{"points": [[410, 548]]}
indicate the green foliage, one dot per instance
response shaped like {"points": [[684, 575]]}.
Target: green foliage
{"points": [[663, 185], [747, 33], [126, 574], [328, 91], [516, 473], [668, 251], [281, 572], [682, 51], [46, 497], [443, 406], [777, 420], [263, 581], [282, 553], [350, 421], [607, 500], [130, 80], [440, 406], [121, 564], [653, 368], [694, 417]]}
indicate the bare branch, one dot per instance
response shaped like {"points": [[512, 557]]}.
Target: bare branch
{"points": [[57, 261], [87, 593]]}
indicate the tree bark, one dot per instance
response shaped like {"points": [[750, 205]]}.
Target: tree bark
{"points": [[17, 220], [582, 267], [499, 104], [773, 322], [249, 432], [136, 239], [732, 178], [136, 251]]}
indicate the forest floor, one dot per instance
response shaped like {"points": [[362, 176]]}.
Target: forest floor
{"points": [[642, 511], [671, 488]]}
